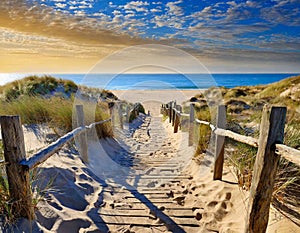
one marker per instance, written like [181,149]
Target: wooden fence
[270,148]
[18,165]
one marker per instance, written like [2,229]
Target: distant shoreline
[162,81]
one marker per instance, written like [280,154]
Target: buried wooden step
[146,221]
[144,213]
[165,208]
[152,197]
[135,201]
[171,176]
[180,218]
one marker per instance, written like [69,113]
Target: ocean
[164,81]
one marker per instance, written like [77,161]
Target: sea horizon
[160,81]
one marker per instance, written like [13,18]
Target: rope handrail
[45,153]
[289,153]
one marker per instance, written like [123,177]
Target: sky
[225,36]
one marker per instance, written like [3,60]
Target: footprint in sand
[220,212]
[212,204]
[227,196]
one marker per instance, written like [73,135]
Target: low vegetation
[48,100]
[38,86]
[39,100]
[244,111]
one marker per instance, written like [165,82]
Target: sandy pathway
[148,199]
[144,180]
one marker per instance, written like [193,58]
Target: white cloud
[129,11]
[128,16]
[251,4]
[116,12]
[232,3]
[83,3]
[155,10]
[160,21]
[118,19]
[60,5]
[174,9]
[138,6]
[139,3]
[207,9]
[79,13]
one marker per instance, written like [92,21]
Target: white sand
[107,194]
[152,99]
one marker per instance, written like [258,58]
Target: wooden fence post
[219,143]
[82,137]
[173,113]
[17,175]
[191,124]
[163,109]
[180,110]
[177,120]
[120,112]
[170,111]
[265,167]
[112,115]
[127,113]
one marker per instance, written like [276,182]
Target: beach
[144,179]
[153,99]
[88,84]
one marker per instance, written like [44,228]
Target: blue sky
[243,24]
[251,32]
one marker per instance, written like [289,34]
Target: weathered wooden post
[82,137]
[265,167]
[112,114]
[173,113]
[17,175]
[180,110]
[219,143]
[120,112]
[177,119]
[163,109]
[191,124]
[127,113]
[170,111]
